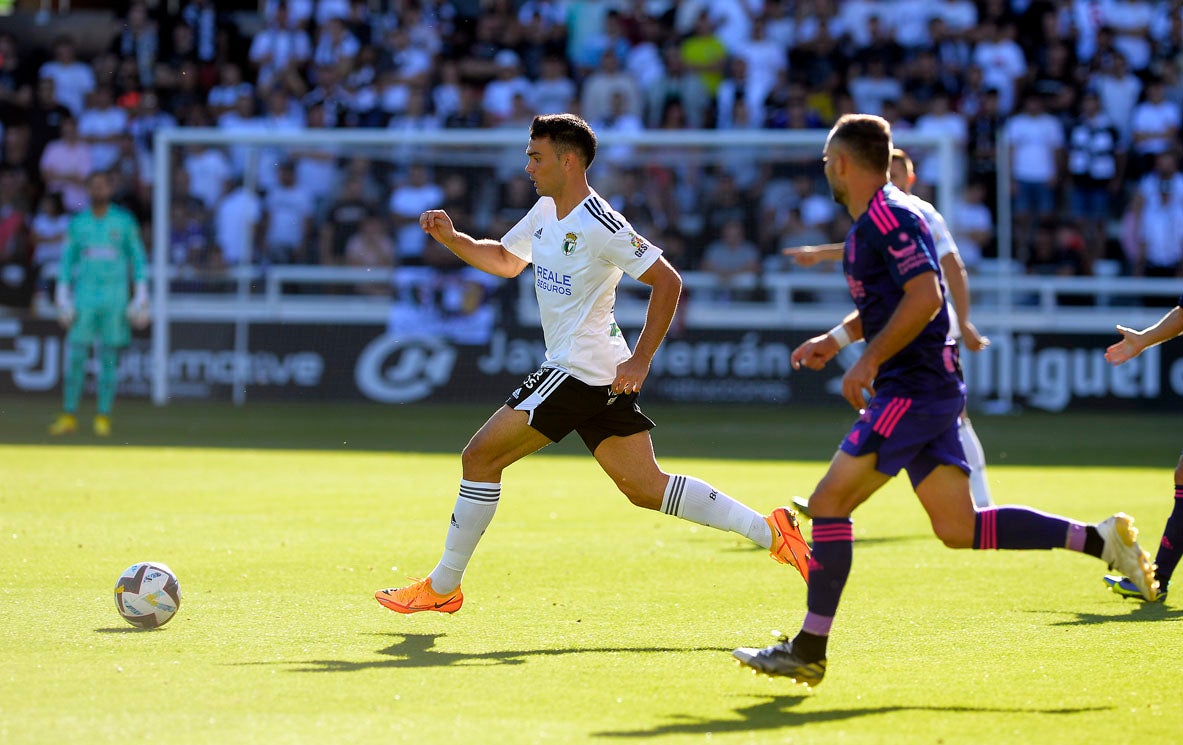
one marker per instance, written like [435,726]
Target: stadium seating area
[1088,91]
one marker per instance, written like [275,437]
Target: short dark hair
[567,132]
[867,138]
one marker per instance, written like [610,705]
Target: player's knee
[1179,472]
[476,462]
[638,493]
[954,533]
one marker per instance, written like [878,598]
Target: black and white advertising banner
[1052,372]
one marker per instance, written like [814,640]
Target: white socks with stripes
[473,513]
[699,502]
[979,488]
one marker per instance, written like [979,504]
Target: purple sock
[833,543]
[1171,545]
[1023,528]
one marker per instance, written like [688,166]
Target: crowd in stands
[1089,93]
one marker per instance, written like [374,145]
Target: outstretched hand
[438,225]
[1127,349]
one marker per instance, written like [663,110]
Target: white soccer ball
[147,594]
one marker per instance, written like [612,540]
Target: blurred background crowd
[1089,93]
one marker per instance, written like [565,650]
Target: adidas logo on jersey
[538,233]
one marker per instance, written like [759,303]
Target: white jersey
[578,261]
[942,238]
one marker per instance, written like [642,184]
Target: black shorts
[557,403]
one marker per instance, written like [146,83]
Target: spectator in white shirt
[871,87]
[1036,139]
[287,218]
[235,222]
[644,61]
[278,47]
[334,44]
[1158,211]
[621,121]
[731,259]
[411,198]
[554,92]
[209,173]
[941,119]
[1002,61]
[500,92]
[100,125]
[296,13]
[240,119]
[283,114]
[327,10]
[599,87]
[72,79]
[765,60]
[1118,90]
[65,164]
[973,225]
[1154,125]
[960,16]
[223,96]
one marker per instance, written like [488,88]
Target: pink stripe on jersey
[886,218]
[892,414]
[892,222]
[877,219]
[988,533]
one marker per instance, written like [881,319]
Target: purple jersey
[889,245]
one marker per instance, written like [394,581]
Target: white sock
[976,457]
[473,513]
[699,502]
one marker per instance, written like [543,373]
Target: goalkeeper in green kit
[102,255]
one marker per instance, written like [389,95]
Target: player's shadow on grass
[1139,613]
[418,650]
[777,713]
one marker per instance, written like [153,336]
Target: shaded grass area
[742,432]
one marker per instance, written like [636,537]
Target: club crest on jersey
[639,244]
[569,243]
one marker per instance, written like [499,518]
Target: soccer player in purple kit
[1170,548]
[910,367]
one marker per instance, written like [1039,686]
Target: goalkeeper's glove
[64,302]
[137,309]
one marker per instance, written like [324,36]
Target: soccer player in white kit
[903,175]
[580,248]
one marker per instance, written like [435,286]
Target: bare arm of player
[1133,343]
[810,255]
[487,255]
[816,352]
[663,301]
[958,281]
[922,300]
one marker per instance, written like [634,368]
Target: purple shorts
[915,434]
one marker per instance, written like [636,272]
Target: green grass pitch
[586,620]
